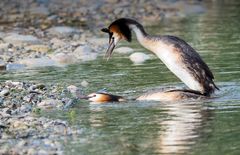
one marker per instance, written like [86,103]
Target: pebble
[138,57]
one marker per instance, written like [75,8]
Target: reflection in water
[181,129]
[179,125]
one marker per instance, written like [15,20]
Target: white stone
[123,50]
[138,57]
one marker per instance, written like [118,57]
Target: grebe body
[175,53]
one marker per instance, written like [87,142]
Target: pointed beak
[110,48]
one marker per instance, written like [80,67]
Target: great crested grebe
[102,97]
[175,53]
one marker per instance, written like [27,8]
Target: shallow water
[194,127]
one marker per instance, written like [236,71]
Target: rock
[49,103]
[38,48]
[64,58]
[19,125]
[63,31]
[40,11]
[98,41]
[85,53]
[14,66]
[4,92]
[2,65]
[57,43]
[15,38]
[4,46]
[84,83]
[38,62]
[123,50]
[72,89]
[138,57]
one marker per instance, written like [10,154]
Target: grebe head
[118,30]
[103,97]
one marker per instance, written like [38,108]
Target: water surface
[193,127]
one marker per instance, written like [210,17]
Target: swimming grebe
[175,53]
[102,97]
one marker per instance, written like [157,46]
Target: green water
[200,127]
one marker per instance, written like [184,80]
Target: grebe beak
[110,48]
[113,40]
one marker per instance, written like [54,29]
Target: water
[194,127]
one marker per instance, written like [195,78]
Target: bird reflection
[181,129]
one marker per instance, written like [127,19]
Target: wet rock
[49,103]
[64,58]
[85,53]
[38,48]
[57,43]
[15,38]
[124,50]
[4,46]
[84,83]
[138,57]
[4,92]
[38,62]
[63,31]
[14,66]
[2,65]
[39,11]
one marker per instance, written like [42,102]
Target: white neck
[142,37]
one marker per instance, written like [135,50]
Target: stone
[15,38]
[84,83]
[49,103]
[2,65]
[57,43]
[40,11]
[14,66]
[38,62]
[85,53]
[64,58]
[38,48]
[63,31]
[138,57]
[123,50]
[4,92]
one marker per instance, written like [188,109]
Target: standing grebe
[175,53]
